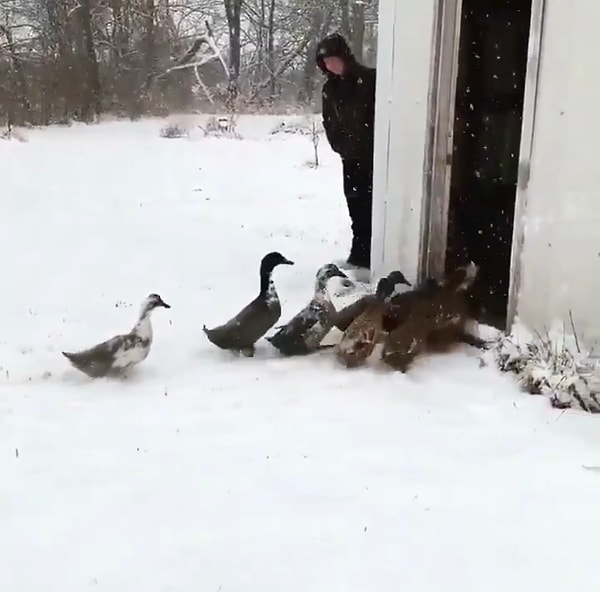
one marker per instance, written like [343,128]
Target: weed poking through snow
[549,365]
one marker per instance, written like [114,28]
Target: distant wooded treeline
[63,60]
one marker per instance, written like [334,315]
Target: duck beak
[406,283]
[287,262]
[164,304]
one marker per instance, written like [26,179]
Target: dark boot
[360,253]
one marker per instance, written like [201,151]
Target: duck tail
[71,356]
[463,277]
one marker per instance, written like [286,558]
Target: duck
[305,331]
[346,315]
[434,316]
[363,333]
[116,356]
[241,332]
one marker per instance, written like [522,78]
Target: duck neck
[267,285]
[143,327]
[384,290]
[321,292]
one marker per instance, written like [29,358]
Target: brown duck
[241,332]
[361,336]
[346,315]
[434,316]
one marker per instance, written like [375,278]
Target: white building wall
[403,69]
[561,253]
[560,260]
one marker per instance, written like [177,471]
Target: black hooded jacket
[348,102]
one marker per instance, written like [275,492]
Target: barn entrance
[488,108]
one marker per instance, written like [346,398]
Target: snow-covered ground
[206,472]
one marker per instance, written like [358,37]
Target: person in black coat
[348,118]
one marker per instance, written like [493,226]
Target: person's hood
[333,46]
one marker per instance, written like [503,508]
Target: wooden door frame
[534,55]
[440,135]
[438,158]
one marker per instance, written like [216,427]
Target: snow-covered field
[206,472]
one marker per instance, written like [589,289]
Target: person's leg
[358,188]
[362,209]
[351,169]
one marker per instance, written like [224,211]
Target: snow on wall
[404,56]
[561,252]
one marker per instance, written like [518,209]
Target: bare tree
[233,11]
[75,59]
[91,90]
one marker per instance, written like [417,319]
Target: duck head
[327,272]
[271,260]
[153,301]
[397,278]
[384,288]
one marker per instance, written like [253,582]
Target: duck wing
[404,344]
[98,360]
[247,326]
[361,337]
[346,316]
[305,331]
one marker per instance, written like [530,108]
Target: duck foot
[474,341]
[397,361]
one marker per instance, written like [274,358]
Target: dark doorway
[487,132]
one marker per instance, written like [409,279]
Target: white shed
[488,115]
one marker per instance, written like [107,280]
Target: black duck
[241,332]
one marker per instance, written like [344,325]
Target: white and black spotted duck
[117,355]
[241,332]
[304,332]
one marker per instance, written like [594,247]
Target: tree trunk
[150,38]
[271,48]
[357,40]
[92,93]
[150,53]
[65,74]
[261,59]
[345,18]
[233,11]
[321,21]
[21,83]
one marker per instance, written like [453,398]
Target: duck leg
[473,341]
[400,360]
